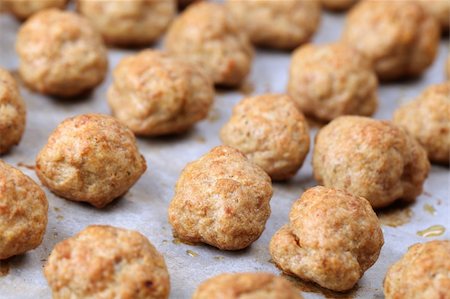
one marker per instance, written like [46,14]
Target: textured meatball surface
[221,199]
[107,262]
[91,158]
[23,9]
[155,94]
[271,132]
[23,212]
[332,238]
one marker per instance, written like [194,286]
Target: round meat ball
[399,37]
[338,5]
[440,9]
[91,158]
[155,94]
[277,24]
[61,54]
[327,81]
[370,158]
[222,200]
[23,212]
[249,285]
[208,35]
[107,262]
[12,112]
[422,273]
[340,239]
[129,22]
[427,118]
[271,132]
[23,9]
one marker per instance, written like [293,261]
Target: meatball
[207,34]
[422,273]
[370,158]
[440,9]
[332,238]
[130,22]
[90,158]
[61,54]
[338,5]
[277,24]
[327,81]
[271,132]
[399,37]
[427,118]
[23,9]
[12,112]
[222,199]
[107,262]
[155,94]
[23,212]
[249,285]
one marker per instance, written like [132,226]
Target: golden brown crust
[398,36]
[330,80]
[332,238]
[91,158]
[370,158]
[107,262]
[222,199]
[422,273]
[23,9]
[23,212]
[258,285]
[12,112]
[277,24]
[130,22]
[338,5]
[61,54]
[155,94]
[427,118]
[207,34]
[271,132]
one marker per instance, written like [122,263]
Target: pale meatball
[338,5]
[208,35]
[327,81]
[222,199]
[332,238]
[61,54]
[90,158]
[23,212]
[271,132]
[12,112]
[422,273]
[277,24]
[440,9]
[107,262]
[370,158]
[129,22]
[23,9]
[427,118]
[399,37]
[155,94]
[246,285]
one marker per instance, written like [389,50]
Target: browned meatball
[23,9]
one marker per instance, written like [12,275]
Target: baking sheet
[144,207]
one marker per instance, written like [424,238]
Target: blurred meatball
[129,22]
[155,94]
[207,34]
[370,158]
[427,118]
[332,238]
[107,262]
[91,158]
[23,212]
[61,54]
[422,273]
[23,9]
[222,199]
[277,24]
[440,9]
[398,36]
[327,81]
[12,112]
[338,5]
[271,132]
[258,285]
